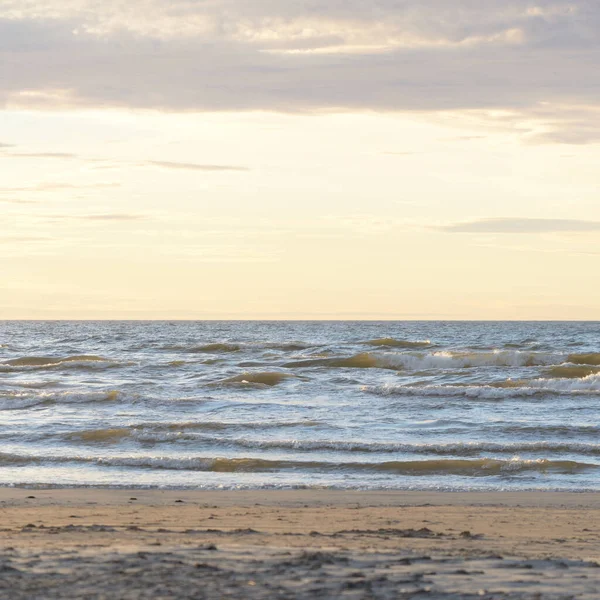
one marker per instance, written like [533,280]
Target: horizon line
[298,320]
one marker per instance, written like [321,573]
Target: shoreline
[316,497]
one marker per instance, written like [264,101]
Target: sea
[389,405]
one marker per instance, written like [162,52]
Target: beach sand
[134,544]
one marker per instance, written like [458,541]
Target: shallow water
[392,405]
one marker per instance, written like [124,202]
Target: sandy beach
[106,543]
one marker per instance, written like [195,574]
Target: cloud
[191,166]
[400,153]
[520,225]
[306,55]
[16,201]
[114,217]
[99,217]
[11,239]
[57,186]
[41,154]
[310,23]
[103,163]
[466,138]
[4,149]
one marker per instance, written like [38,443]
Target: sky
[299,159]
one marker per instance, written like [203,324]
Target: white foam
[532,387]
[418,361]
[22,400]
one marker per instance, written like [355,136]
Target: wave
[486,467]
[591,358]
[156,432]
[100,435]
[17,401]
[394,343]
[215,348]
[37,385]
[261,379]
[456,449]
[481,467]
[587,384]
[420,361]
[540,430]
[570,371]
[16,459]
[43,361]
[288,346]
[85,361]
[453,360]
[226,347]
[364,360]
[507,389]
[25,400]
[352,446]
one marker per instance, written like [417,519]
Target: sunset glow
[299,160]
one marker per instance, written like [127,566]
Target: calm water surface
[381,405]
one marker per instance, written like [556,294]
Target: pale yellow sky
[287,204]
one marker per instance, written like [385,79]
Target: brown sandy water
[284,405]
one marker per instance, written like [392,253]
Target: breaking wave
[218,434]
[348,446]
[507,389]
[420,361]
[464,360]
[481,467]
[455,449]
[85,361]
[43,361]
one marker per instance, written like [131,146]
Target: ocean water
[364,405]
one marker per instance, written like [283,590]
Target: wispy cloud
[7,151]
[164,164]
[522,225]
[114,217]
[65,155]
[14,239]
[58,186]
[466,138]
[98,217]
[400,153]
[16,201]
[111,164]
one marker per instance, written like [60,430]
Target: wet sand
[134,544]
